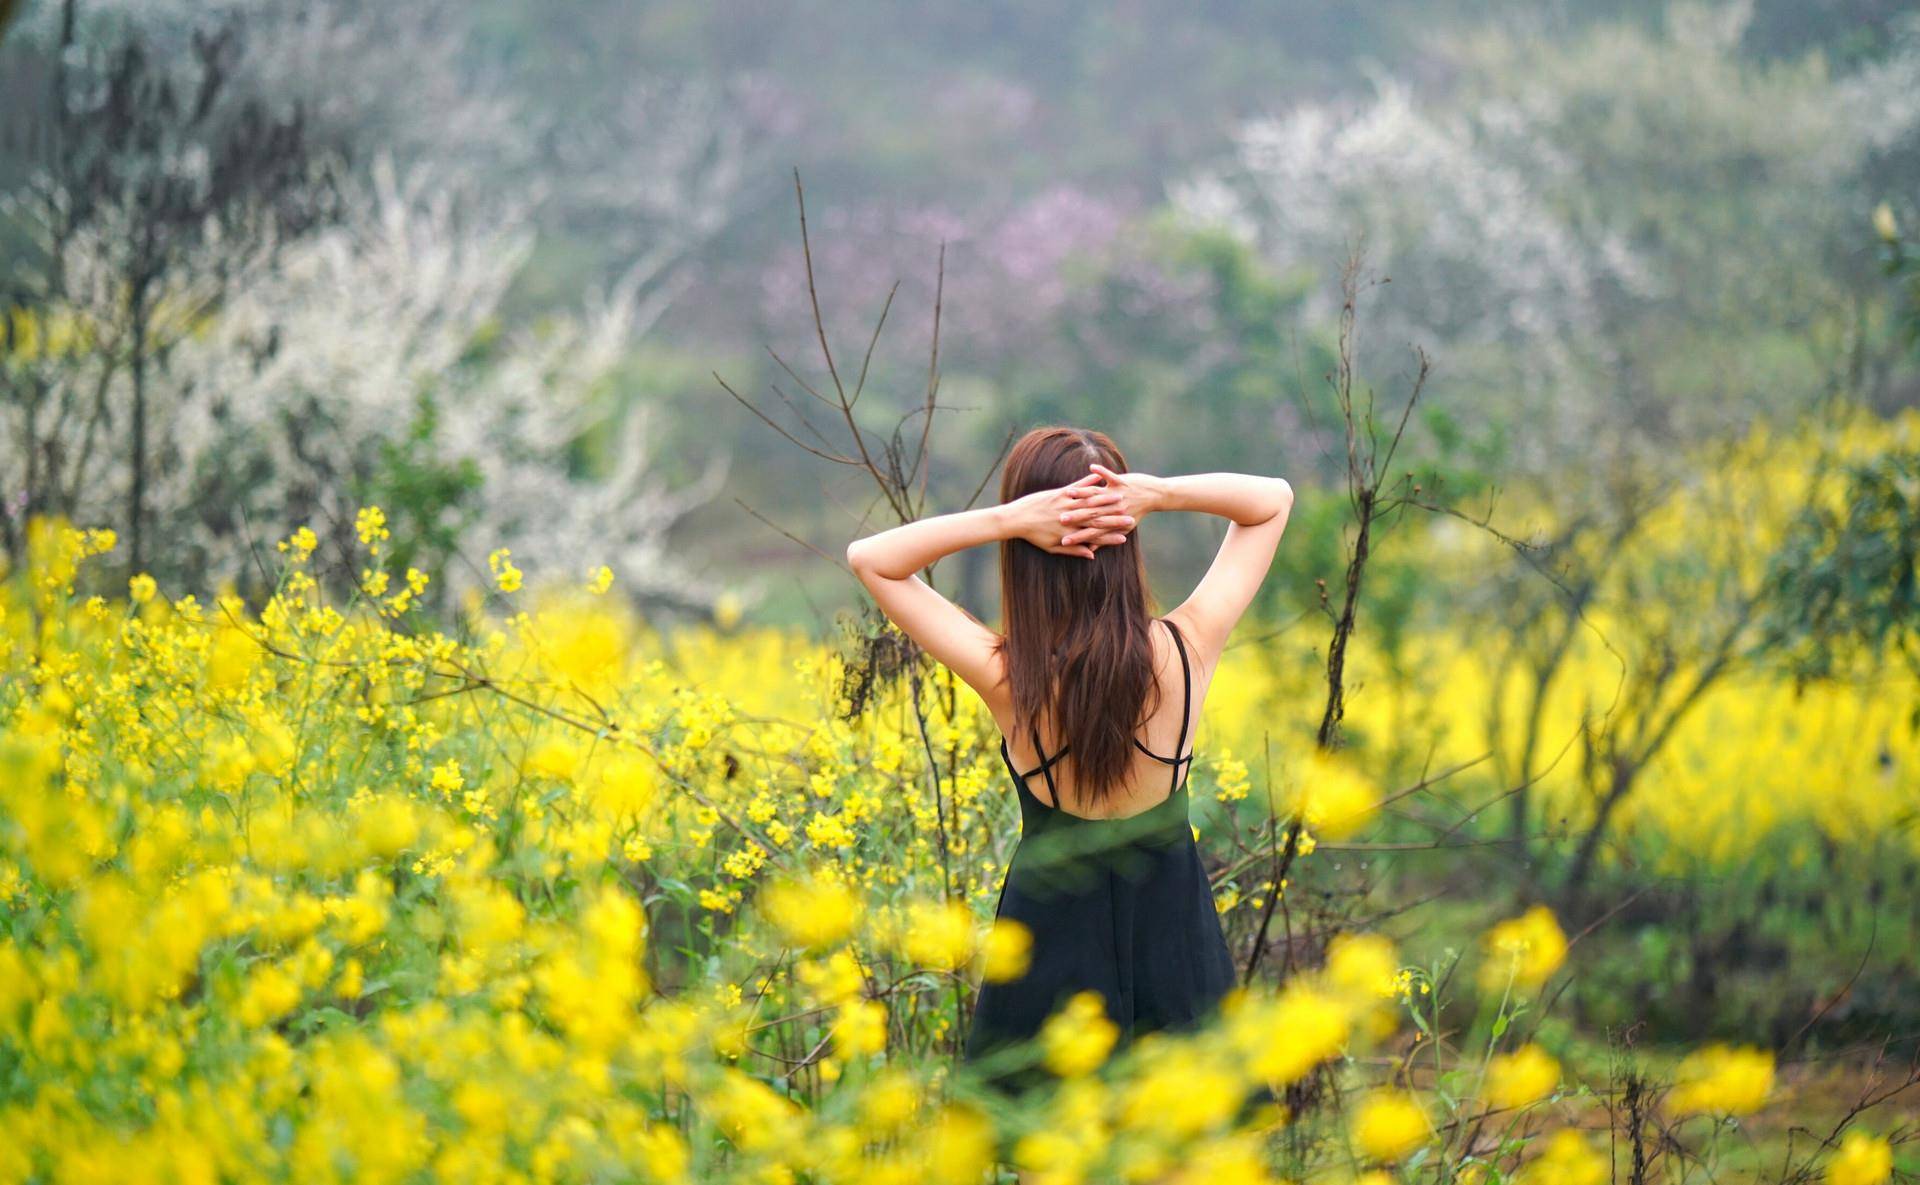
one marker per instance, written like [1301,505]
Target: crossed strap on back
[1176,761]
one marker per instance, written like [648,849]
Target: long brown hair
[1077,651]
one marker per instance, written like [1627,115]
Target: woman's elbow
[1279,502]
[860,557]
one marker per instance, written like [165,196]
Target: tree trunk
[1574,890]
[1329,733]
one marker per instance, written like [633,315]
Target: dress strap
[1053,760]
[1046,766]
[1160,757]
[1186,704]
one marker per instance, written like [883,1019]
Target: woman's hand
[1137,494]
[1073,520]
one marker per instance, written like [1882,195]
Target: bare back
[1163,746]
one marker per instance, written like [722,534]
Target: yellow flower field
[315,891]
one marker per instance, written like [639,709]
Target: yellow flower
[600,580]
[829,830]
[506,577]
[352,979]
[1525,1076]
[447,778]
[301,545]
[1331,796]
[1238,1160]
[142,588]
[371,525]
[832,980]
[1077,1039]
[1525,951]
[228,762]
[1231,777]
[1009,950]
[1389,1124]
[743,863]
[1722,1080]
[958,1147]
[1861,1160]
[1181,1093]
[552,758]
[1283,1039]
[811,914]
[1363,964]
[1052,1157]
[270,993]
[889,1101]
[274,746]
[625,788]
[939,935]
[752,1114]
[860,1028]
[663,1151]
[1568,1159]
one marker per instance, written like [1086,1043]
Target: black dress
[1118,906]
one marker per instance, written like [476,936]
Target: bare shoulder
[996,690]
[1200,647]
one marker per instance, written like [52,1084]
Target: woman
[1096,699]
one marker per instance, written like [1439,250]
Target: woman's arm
[889,563]
[1257,507]
[1246,499]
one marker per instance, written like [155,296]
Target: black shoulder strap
[1046,767]
[1186,703]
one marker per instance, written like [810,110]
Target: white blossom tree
[1475,250]
[383,336]
[275,370]
[152,183]
[1574,227]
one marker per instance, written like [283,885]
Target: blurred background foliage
[1617,227]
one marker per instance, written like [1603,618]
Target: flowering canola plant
[320,892]
[336,892]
